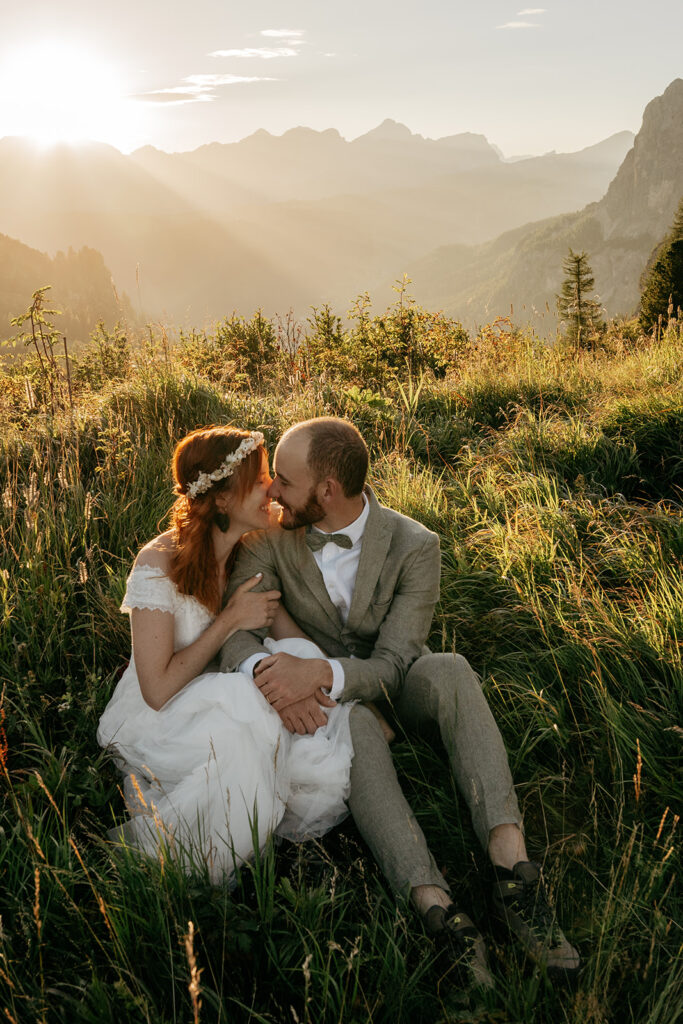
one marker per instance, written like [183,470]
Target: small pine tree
[662,282]
[580,314]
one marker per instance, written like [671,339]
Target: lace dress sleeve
[149,587]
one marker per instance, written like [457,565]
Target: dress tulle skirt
[209,777]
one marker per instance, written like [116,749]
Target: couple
[311,619]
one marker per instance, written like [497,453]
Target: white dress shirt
[339,568]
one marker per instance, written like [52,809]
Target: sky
[177,75]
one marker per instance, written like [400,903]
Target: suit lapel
[305,566]
[373,553]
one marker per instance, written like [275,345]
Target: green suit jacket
[397,587]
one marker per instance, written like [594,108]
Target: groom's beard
[311,512]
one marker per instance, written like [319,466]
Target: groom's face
[293,486]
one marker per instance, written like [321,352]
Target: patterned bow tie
[317,540]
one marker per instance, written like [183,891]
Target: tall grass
[555,485]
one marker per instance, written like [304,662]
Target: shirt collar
[355,529]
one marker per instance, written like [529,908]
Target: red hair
[193,564]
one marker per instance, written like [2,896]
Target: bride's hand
[246,610]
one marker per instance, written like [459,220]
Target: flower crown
[205,481]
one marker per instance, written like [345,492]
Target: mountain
[82,288]
[522,268]
[228,180]
[308,164]
[282,222]
[342,245]
[160,247]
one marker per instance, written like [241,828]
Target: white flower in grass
[31,492]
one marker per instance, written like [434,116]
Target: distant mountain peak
[304,132]
[389,131]
[473,143]
[260,135]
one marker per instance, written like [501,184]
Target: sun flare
[58,91]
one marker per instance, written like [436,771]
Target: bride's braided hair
[193,564]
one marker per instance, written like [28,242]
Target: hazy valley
[308,218]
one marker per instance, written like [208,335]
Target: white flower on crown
[205,481]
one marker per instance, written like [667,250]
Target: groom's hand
[284,679]
[306,716]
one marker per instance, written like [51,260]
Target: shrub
[108,359]
[377,349]
[238,352]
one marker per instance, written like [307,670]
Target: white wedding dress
[215,772]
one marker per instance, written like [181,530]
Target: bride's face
[253,512]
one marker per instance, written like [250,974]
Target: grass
[555,483]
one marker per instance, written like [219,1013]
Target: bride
[209,769]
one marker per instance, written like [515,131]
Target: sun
[59,91]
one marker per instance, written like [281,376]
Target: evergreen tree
[662,282]
[579,312]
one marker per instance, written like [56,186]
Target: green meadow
[554,478]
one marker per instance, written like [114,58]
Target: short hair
[337,449]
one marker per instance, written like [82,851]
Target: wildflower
[195,972]
[31,492]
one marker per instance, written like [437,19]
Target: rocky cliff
[523,268]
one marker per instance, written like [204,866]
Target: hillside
[554,483]
[523,268]
[82,288]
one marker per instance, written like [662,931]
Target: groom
[362,582]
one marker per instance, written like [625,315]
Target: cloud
[519,24]
[283,33]
[531,10]
[196,89]
[175,95]
[264,53]
[209,82]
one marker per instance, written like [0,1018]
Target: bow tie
[317,540]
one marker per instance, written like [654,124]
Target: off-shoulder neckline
[156,569]
[159,573]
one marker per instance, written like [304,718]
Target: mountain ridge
[522,269]
[284,221]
